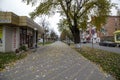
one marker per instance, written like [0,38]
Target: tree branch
[66,13]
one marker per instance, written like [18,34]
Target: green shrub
[8,57]
[23,48]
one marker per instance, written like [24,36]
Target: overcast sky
[21,9]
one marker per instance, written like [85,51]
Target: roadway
[110,49]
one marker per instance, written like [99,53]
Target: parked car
[83,41]
[40,40]
[108,43]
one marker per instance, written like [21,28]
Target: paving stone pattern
[54,62]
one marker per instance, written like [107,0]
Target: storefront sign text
[5,21]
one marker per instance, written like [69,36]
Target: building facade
[112,25]
[106,32]
[17,31]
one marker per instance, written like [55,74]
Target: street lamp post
[43,39]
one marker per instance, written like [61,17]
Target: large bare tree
[76,12]
[45,25]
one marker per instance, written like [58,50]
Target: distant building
[107,30]
[17,31]
[90,35]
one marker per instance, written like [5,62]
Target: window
[118,37]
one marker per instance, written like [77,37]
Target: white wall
[12,38]
[8,39]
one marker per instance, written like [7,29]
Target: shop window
[23,36]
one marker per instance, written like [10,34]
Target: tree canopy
[76,12]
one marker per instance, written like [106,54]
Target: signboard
[5,21]
[1,35]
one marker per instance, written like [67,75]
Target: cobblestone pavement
[54,62]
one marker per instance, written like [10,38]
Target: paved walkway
[54,62]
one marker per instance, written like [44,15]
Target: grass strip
[109,61]
[8,57]
[46,43]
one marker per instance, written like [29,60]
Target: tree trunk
[43,39]
[76,35]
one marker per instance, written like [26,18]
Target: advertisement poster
[1,34]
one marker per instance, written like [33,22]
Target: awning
[118,31]
[20,21]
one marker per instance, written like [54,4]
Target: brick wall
[112,24]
